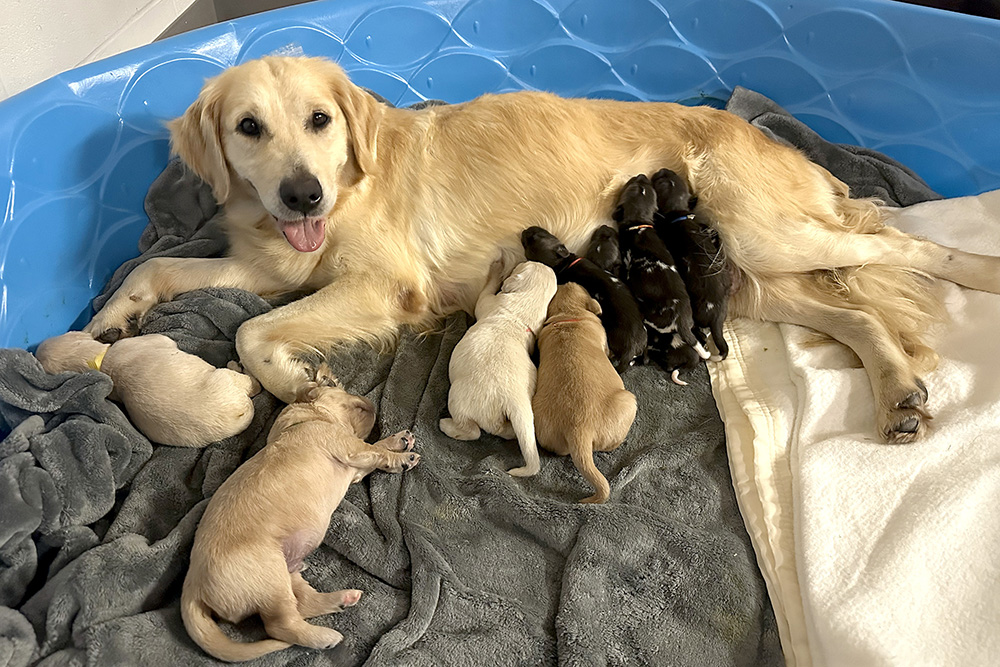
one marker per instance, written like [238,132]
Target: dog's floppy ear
[692,202]
[363,114]
[197,138]
[619,213]
[307,393]
[594,307]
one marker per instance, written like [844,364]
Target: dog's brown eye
[249,127]
[320,119]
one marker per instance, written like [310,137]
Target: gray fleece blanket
[461,564]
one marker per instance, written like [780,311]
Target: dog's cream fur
[273,512]
[416,204]
[172,397]
[580,403]
[492,375]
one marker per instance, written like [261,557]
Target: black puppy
[619,312]
[604,251]
[703,262]
[651,274]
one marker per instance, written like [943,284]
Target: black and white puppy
[652,276]
[620,314]
[604,251]
[698,247]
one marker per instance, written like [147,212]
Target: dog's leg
[163,278]
[372,458]
[824,249]
[899,395]
[399,442]
[312,603]
[352,309]
[283,621]
[460,428]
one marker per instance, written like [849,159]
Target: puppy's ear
[594,307]
[692,202]
[197,138]
[619,213]
[363,114]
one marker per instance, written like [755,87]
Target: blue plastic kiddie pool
[920,85]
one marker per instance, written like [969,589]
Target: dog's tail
[522,420]
[581,450]
[206,633]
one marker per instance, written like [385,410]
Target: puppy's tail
[522,420]
[206,633]
[581,450]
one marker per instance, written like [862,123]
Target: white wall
[41,38]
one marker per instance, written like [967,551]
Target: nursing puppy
[702,260]
[651,274]
[580,402]
[619,312]
[271,513]
[492,375]
[603,250]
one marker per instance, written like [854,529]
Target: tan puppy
[172,397]
[580,402]
[491,372]
[395,215]
[271,513]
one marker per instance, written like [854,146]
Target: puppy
[580,403]
[172,397]
[271,513]
[492,375]
[651,274]
[702,260]
[619,312]
[603,250]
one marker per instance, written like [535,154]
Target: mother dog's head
[294,130]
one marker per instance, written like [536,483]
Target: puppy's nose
[301,192]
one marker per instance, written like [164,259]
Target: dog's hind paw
[907,420]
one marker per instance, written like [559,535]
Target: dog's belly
[297,546]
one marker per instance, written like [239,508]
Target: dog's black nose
[301,193]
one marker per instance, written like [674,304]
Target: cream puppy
[492,375]
[172,397]
[271,513]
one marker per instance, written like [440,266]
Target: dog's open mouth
[305,234]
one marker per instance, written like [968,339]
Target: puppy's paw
[323,638]
[402,441]
[349,597]
[410,460]
[907,420]
[524,471]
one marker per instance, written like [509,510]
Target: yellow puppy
[580,403]
[271,513]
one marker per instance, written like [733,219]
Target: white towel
[875,554]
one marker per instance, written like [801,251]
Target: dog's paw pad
[412,459]
[407,440]
[906,426]
[349,598]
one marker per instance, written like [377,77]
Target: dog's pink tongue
[304,235]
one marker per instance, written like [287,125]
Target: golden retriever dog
[259,526]
[394,216]
[491,372]
[580,402]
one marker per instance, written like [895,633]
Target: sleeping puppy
[651,274]
[492,375]
[702,260]
[603,250]
[271,513]
[619,312]
[580,402]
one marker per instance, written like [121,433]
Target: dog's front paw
[906,421]
[410,460]
[114,323]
